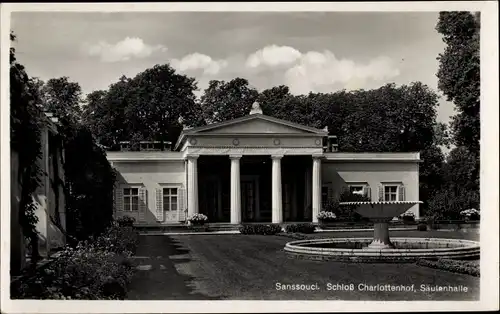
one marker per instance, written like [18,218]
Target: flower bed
[326,216]
[94,270]
[264,229]
[197,219]
[470,214]
[462,267]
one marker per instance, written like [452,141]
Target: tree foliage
[459,74]
[459,79]
[223,101]
[89,178]
[154,105]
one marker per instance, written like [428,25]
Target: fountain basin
[405,250]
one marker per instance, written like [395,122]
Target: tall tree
[271,99]
[223,101]
[89,178]
[154,105]
[459,79]
[391,119]
[63,98]
[459,74]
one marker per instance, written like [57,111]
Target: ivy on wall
[26,123]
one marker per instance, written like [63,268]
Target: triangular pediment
[256,124]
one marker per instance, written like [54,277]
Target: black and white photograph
[208,152]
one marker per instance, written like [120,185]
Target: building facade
[48,198]
[254,169]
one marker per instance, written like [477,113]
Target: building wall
[150,175]
[50,235]
[338,175]
[49,207]
[17,243]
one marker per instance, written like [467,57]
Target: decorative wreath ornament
[236,142]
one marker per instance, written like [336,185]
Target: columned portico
[192,184]
[316,188]
[235,189]
[277,205]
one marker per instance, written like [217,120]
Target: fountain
[381,248]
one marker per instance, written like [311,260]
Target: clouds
[303,72]
[199,61]
[127,49]
[321,71]
[273,56]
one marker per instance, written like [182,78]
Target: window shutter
[401,196]
[159,204]
[119,199]
[143,203]
[181,199]
[380,192]
[368,192]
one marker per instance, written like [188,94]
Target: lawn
[244,267]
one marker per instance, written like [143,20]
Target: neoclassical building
[254,169]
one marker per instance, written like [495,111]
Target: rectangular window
[390,193]
[131,199]
[170,199]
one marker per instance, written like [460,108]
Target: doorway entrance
[250,198]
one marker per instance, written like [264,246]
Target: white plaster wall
[339,174]
[151,175]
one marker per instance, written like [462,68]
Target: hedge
[300,228]
[461,267]
[265,229]
[422,227]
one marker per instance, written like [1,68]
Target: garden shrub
[422,227]
[408,217]
[300,228]
[99,269]
[265,229]
[125,221]
[462,267]
[118,239]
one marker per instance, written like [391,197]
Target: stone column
[192,184]
[380,234]
[316,188]
[235,189]
[277,204]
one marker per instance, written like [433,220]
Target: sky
[307,51]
